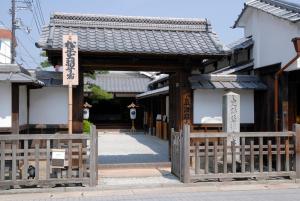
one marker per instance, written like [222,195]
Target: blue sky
[221,13]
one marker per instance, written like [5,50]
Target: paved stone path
[200,193]
[136,177]
[121,147]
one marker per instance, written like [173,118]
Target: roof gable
[127,34]
[281,9]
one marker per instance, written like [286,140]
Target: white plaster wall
[207,106]
[5,104]
[48,105]
[5,53]
[23,105]
[272,37]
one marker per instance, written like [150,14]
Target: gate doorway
[173,46]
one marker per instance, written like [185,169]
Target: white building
[15,83]
[5,44]
[272,24]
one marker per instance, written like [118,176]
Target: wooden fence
[28,159]
[236,155]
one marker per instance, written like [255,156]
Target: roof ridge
[133,19]
[284,4]
[287,10]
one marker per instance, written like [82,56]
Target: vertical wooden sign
[70,69]
[70,60]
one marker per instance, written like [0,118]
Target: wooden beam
[15,108]
[146,62]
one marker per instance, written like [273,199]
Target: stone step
[135,165]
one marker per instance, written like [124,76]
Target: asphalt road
[164,194]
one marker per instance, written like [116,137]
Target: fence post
[171,148]
[185,162]
[93,156]
[297,144]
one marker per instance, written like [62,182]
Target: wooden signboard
[70,60]
[70,70]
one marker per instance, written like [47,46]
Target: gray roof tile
[120,82]
[226,82]
[149,35]
[279,8]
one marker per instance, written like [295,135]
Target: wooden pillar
[28,108]
[285,102]
[15,109]
[297,144]
[185,160]
[180,95]
[78,105]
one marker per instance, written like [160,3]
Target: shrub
[86,126]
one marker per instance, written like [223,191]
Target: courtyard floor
[133,160]
[118,147]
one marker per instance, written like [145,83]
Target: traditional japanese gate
[166,45]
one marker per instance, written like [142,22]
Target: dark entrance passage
[119,89]
[294,98]
[113,114]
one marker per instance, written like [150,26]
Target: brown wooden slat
[80,161]
[2,167]
[215,157]
[287,155]
[243,159]
[261,158]
[44,137]
[197,159]
[25,168]
[206,156]
[14,162]
[251,156]
[224,155]
[48,160]
[69,158]
[242,134]
[278,159]
[270,156]
[37,164]
[233,150]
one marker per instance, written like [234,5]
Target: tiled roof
[125,34]
[282,9]
[242,43]
[226,82]
[16,74]
[155,92]
[120,82]
[234,69]
[49,78]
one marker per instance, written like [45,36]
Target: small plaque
[58,158]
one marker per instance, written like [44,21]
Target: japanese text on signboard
[70,60]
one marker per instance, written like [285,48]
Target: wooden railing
[28,159]
[239,155]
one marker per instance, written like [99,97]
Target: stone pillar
[231,118]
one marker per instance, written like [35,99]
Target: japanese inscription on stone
[70,60]
[231,112]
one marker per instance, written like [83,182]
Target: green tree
[96,93]
[45,63]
